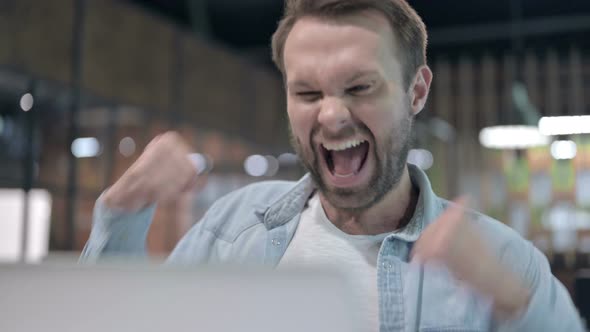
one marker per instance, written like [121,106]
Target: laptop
[58,297]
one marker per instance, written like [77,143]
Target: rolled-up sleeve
[550,306]
[117,233]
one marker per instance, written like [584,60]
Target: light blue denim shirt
[255,224]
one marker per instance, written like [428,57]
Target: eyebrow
[298,84]
[362,74]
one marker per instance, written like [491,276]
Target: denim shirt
[255,224]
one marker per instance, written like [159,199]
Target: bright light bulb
[127,146]
[563,150]
[26,102]
[421,158]
[564,125]
[85,147]
[199,161]
[256,165]
[512,137]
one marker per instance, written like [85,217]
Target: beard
[390,155]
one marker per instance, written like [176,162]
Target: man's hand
[161,173]
[453,241]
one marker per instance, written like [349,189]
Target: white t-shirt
[318,243]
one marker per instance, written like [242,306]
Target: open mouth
[348,161]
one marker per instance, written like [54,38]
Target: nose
[334,115]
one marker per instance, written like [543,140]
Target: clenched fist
[161,173]
[453,241]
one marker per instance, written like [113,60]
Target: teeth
[343,145]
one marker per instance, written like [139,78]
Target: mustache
[344,133]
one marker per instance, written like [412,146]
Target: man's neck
[393,212]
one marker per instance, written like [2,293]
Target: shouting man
[355,75]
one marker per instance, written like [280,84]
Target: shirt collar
[427,207]
[287,206]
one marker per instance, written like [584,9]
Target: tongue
[348,162]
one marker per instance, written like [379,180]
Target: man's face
[349,112]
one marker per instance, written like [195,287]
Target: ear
[420,88]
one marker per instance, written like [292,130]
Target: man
[356,76]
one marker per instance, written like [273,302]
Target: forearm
[549,306]
[117,233]
[548,310]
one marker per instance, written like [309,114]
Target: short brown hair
[405,22]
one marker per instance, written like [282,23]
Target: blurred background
[85,85]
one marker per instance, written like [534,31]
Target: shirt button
[387,266]
[275,242]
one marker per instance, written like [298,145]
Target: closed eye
[309,96]
[359,89]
